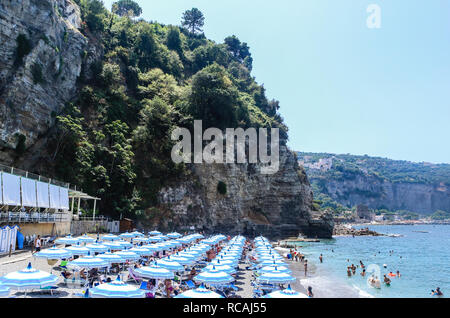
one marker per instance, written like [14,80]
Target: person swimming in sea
[321,258]
[387,281]
[310,292]
[349,272]
[437,292]
[398,273]
[363,273]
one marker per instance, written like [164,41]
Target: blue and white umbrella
[153,233]
[224,262]
[286,293]
[221,268]
[4,291]
[28,278]
[142,251]
[116,289]
[276,277]
[68,240]
[110,237]
[114,246]
[78,250]
[97,248]
[214,277]
[141,239]
[112,258]
[271,269]
[124,244]
[153,272]
[171,265]
[127,235]
[272,263]
[174,235]
[138,234]
[86,239]
[88,262]
[182,260]
[155,239]
[53,253]
[129,256]
[200,292]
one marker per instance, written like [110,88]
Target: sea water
[421,254]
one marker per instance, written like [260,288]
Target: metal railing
[34,217]
[30,175]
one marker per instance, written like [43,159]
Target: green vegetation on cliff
[114,139]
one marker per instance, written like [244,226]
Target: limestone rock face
[276,205]
[34,90]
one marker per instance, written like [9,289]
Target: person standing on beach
[306,266]
[310,293]
[321,258]
[38,243]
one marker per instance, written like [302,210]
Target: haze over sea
[423,260]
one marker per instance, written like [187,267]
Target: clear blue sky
[343,88]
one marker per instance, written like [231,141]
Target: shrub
[222,187]
[23,48]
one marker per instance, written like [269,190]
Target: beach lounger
[132,276]
[190,284]
[50,289]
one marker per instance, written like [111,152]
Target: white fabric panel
[42,195]
[54,196]
[12,238]
[4,235]
[64,198]
[29,192]
[11,189]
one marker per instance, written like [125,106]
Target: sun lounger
[50,289]
[133,276]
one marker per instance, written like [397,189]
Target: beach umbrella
[142,251]
[153,272]
[171,265]
[88,262]
[222,268]
[4,291]
[155,239]
[200,292]
[270,269]
[53,253]
[112,258]
[124,244]
[97,248]
[141,239]
[86,239]
[182,260]
[78,250]
[214,277]
[129,256]
[116,289]
[138,234]
[115,246]
[286,293]
[153,233]
[224,262]
[272,263]
[127,235]
[110,237]
[28,278]
[276,277]
[68,240]
[174,235]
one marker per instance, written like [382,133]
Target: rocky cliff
[276,205]
[41,58]
[379,183]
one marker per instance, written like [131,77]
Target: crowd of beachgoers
[135,265]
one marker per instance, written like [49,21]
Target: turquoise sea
[421,254]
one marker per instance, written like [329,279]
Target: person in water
[387,281]
[321,258]
[349,272]
[437,292]
[306,266]
[363,273]
[398,274]
[310,293]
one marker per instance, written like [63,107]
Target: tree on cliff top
[194,20]
[127,8]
